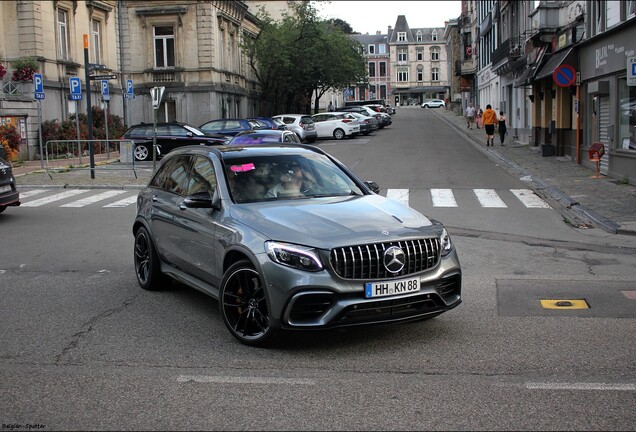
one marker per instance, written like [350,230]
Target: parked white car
[336,125]
[434,103]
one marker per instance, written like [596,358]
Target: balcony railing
[511,49]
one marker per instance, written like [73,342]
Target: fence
[108,155]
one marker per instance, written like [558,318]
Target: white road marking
[443,198]
[529,199]
[124,202]
[579,386]
[53,198]
[401,195]
[30,193]
[488,198]
[94,198]
[244,380]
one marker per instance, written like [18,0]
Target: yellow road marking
[564,304]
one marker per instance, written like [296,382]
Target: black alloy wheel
[243,305]
[147,266]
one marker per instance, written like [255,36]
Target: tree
[300,55]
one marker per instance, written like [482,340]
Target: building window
[164,46]
[435,74]
[96,33]
[402,37]
[434,36]
[420,54]
[402,75]
[419,36]
[371,49]
[435,54]
[62,33]
[420,73]
[382,69]
[402,55]
[372,94]
[382,49]
[382,92]
[372,69]
[612,13]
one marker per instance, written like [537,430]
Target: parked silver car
[301,124]
[286,237]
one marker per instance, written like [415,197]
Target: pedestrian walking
[478,116]
[489,120]
[502,127]
[470,116]
[330,108]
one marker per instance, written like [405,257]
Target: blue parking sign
[76,88]
[38,83]
[129,87]
[105,91]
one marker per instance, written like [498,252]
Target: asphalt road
[84,348]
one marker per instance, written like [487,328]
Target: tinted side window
[202,178]
[176,130]
[163,130]
[172,175]
[232,124]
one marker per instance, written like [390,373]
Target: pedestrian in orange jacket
[489,120]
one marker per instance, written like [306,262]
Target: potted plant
[3,71]
[24,68]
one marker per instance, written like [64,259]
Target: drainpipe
[124,101]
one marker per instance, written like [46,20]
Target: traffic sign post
[38,87]
[76,94]
[156,93]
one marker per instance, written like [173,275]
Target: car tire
[311,140]
[339,134]
[2,208]
[243,305]
[147,266]
[141,152]
[425,106]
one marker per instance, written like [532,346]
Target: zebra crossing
[440,198]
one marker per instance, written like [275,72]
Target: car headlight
[447,245]
[299,257]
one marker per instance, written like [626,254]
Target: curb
[567,202]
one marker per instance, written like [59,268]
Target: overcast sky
[371,16]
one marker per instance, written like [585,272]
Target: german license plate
[389,288]
[6,188]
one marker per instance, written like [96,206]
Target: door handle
[154,198]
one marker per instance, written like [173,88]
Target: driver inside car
[291,184]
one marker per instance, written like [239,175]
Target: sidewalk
[586,200]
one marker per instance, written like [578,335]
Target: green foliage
[301,54]
[66,130]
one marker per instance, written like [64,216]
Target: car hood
[332,222]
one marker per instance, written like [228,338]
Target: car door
[164,139]
[322,125]
[168,191]
[197,226]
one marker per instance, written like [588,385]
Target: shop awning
[566,56]
[530,71]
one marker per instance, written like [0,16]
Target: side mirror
[373,186]
[190,134]
[198,200]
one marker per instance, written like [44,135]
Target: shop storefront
[611,114]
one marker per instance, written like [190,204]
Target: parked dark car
[9,195]
[367,123]
[268,123]
[264,136]
[286,237]
[169,137]
[229,127]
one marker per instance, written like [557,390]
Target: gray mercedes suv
[288,238]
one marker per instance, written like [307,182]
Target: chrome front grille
[367,261]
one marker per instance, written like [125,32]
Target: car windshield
[194,130]
[290,176]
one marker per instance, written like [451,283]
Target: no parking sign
[564,75]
